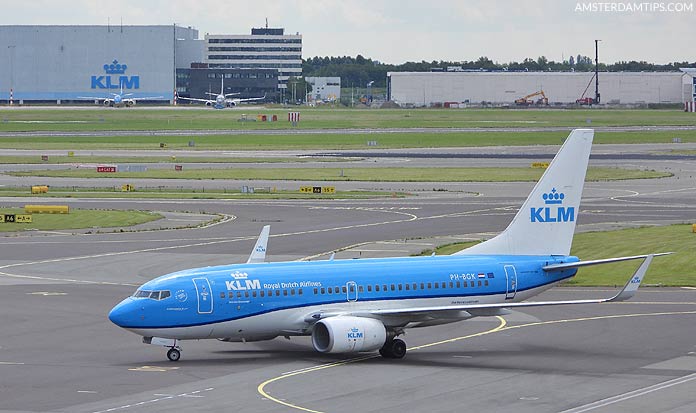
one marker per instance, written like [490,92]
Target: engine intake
[348,335]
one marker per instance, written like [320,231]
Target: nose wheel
[174,354]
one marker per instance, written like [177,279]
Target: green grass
[333,141]
[313,118]
[673,270]
[164,158]
[351,174]
[78,218]
[168,193]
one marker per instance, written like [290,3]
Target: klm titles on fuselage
[115,78]
[553,213]
[242,282]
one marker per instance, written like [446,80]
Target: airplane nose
[122,315]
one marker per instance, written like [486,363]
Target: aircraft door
[351,291]
[204,295]
[511,277]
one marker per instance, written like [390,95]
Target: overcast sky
[395,31]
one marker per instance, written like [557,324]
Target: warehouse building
[324,89]
[65,63]
[71,63]
[503,88]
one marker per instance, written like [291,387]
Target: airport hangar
[58,64]
[432,89]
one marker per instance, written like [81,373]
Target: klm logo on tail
[553,211]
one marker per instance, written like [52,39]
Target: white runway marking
[632,394]
[162,397]
[409,217]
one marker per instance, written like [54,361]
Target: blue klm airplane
[118,100]
[349,306]
[222,99]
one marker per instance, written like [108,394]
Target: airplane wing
[249,99]
[96,98]
[626,292]
[475,309]
[232,94]
[148,98]
[197,100]
[258,254]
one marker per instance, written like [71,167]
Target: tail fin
[546,222]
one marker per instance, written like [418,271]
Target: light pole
[596,70]
[294,94]
[11,49]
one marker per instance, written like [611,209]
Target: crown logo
[553,197]
[115,68]
[239,275]
[354,330]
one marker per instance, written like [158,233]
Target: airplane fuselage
[247,302]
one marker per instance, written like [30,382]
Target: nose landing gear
[174,353]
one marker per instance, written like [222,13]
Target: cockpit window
[141,294]
[154,295]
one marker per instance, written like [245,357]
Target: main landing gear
[393,349]
[174,354]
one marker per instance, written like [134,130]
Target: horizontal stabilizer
[578,264]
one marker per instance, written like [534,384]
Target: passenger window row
[262,293]
[402,287]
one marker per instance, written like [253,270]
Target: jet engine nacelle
[209,103]
[348,335]
[108,102]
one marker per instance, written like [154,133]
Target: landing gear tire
[395,349]
[173,354]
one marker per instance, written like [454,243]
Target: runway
[72,360]
[58,351]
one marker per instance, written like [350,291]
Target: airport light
[596,70]
[11,49]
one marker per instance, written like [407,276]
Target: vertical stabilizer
[258,254]
[546,222]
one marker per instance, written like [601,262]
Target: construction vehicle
[586,100]
[527,101]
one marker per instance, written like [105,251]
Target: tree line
[358,71]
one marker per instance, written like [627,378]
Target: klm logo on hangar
[553,212]
[115,78]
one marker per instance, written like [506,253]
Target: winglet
[258,254]
[632,285]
